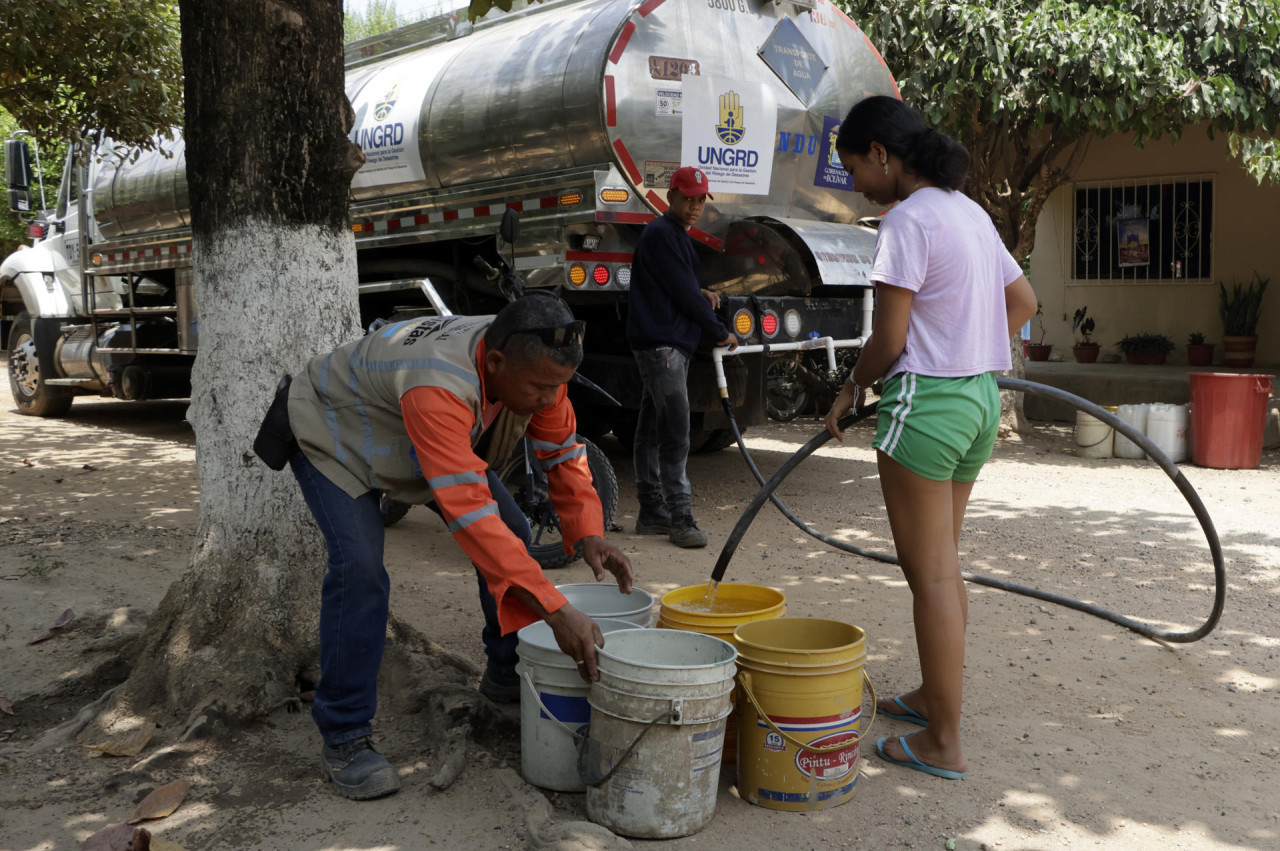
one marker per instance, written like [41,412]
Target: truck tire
[530,491]
[712,441]
[33,397]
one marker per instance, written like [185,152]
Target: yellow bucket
[800,712]
[735,604]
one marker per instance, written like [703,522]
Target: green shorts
[939,428]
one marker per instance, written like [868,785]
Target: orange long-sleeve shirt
[440,426]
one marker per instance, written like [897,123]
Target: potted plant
[1146,348]
[1199,353]
[1038,350]
[1239,313]
[1085,349]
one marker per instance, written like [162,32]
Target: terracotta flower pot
[1086,353]
[1199,354]
[1036,351]
[1239,351]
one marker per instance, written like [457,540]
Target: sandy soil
[1078,733]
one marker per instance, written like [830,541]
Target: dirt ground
[1078,733]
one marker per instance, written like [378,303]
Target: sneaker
[685,532]
[500,686]
[653,521]
[358,771]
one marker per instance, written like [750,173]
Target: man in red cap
[669,315]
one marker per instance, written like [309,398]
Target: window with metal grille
[1146,229]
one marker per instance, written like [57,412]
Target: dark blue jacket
[667,307]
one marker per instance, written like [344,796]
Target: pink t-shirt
[943,247]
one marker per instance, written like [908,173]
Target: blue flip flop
[908,714]
[915,763]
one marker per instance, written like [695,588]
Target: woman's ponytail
[929,153]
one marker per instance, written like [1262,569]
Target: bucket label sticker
[831,766]
[774,742]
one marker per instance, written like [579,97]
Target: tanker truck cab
[76,326]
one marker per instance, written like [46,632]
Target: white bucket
[1167,426]
[1094,438]
[658,717]
[553,706]
[1136,416]
[604,600]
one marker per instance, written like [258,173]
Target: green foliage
[1083,323]
[1146,344]
[1239,311]
[1261,157]
[13,228]
[70,69]
[379,16]
[1195,338]
[1024,84]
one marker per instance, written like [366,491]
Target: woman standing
[948,297]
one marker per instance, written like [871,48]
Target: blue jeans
[661,448]
[354,601]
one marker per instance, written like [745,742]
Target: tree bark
[269,166]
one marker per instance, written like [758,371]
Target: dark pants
[661,448]
[354,600]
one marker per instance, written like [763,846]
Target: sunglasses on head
[553,338]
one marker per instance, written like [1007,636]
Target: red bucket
[1228,417]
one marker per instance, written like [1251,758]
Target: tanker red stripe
[626,218]
[598,256]
[450,215]
[610,103]
[481,211]
[627,163]
[621,43]
[518,206]
[422,219]
[650,6]
[707,239]
[547,203]
[656,201]
[873,50]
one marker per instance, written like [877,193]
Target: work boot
[500,686]
[653,521]
[685,532]
[358,771]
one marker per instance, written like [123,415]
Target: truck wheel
[787,396]
[33,397]
[393,511]
[529,487]
[712,441]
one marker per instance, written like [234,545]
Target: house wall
[1246,237]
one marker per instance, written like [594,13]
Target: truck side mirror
[17,164]
[17,175]
[509,230]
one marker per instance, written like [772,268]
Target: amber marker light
[742,323]
[577,274]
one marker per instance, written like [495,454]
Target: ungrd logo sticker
[732,126]
[383,107]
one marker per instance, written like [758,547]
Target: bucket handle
[744,679]
[534,691]
[671,714]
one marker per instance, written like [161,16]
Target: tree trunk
[269,166]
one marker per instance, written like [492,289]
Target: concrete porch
[1129,384]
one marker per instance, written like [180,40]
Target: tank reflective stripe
[899,414]
[656,200]
[472,516]
[441,482]
[148,252]
[625,36]
[548,463]
[624,218]
[415,363]
[599,256]
[629,164]
[546,446]
[707,239]
[649,6]
[610,102]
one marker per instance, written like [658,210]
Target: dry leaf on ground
[160,802]
[64,620]
[125,744]
[6,705]
[119,837]
[158,844]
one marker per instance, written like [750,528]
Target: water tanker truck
[572,113]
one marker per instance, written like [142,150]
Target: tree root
[68,730]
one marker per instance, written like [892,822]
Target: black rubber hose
[1019,385]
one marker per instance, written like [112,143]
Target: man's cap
[692,182]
